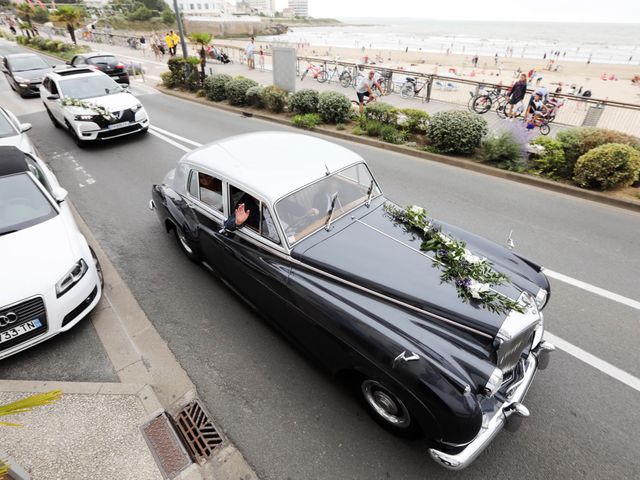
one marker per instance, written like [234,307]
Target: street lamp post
[180,29]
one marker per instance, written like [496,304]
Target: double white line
[567,347]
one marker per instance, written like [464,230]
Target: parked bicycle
[411,87]
[332,74]
[483,102]
[312,70]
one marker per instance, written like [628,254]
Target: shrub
[304,101]
[341,126]
[607,166]
[307,121]
[383,112]
[215,86]
[22,39]
[141,13]
[456,131]
[503,150]
[237,88]
[391,134]
[550,161]
[357,130]
[372,127]
[334,107]
[168,79]
[415,121]
[253,97]
[578,141]
[274,98]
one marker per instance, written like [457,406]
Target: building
[300,7]
[206,8]
[256,7]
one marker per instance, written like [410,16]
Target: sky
[542,10]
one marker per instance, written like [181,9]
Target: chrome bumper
[509,416]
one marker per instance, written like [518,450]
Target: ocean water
[604,43]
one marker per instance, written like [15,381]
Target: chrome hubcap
[385,404]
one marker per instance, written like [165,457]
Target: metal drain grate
[199,434]
[165,445]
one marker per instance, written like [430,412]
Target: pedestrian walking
[143,45]
[176,41]
[261,59]
[168,39]
[250,53]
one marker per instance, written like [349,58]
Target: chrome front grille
[511,351]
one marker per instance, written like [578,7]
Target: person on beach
[168,39]
[250,52]
[516,96]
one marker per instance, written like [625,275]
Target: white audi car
[50,278]
[91,105]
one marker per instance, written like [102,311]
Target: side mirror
[25,127]
[53,97]
[59,194]
[68,62]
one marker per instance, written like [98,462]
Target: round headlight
[541,298]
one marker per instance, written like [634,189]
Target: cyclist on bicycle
[364,89]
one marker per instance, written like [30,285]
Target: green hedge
[275,98]
[608,166]
[382,112]
[456,131]
[415,121]
[308,121]
[334,107]
[550,160]
[236,90]
[304,101]
[215,87]
[503,150]
[254,96]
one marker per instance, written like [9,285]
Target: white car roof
[271,164]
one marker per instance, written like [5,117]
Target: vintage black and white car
[439,330]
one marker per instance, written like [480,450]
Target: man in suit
[246,212]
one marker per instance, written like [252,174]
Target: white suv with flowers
[91,105]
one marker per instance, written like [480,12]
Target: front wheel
[545,129]
[79,142]
[185,245]
[322,76]
[482,104]
[388,409]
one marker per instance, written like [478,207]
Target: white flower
[417,210]
[445,239]
[471,258]
[476,288]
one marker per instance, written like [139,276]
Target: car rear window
[22,204]
[104,59]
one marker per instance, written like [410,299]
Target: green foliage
[274,98]
[579,140]
[341,126]
[382,112]
[391,134]
[357,130]
[22,39]
[215,86]
[140,14]
[169,79]
[456,131]
[202,39]
[237,88]
[168,16]
[372,127]
[608,166]
[334,107]
[550,161]
[254,96]
[503,150]
[308,121]
[416,120]
[304,101]
[40,15]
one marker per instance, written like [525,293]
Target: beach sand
[577,73]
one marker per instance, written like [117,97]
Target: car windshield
[6,127]
[22,204]
[305,211]
[30,62]
[89,87]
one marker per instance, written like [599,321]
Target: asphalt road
[288,417]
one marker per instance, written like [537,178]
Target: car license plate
[118,125]
[18,330]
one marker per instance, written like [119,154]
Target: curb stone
[628,204]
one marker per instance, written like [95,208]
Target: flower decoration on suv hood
[473,276]
[100,110]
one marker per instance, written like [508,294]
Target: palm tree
[70,16]
[22,406]
[202,39]
[26,13]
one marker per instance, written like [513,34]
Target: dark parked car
[351,278]
[24,72]
[105,62]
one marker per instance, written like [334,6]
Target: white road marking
[169,141]
[593,289]
[173,135]
[594,361]
[142,60]
[577,352]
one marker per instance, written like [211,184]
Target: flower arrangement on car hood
[99,109]
[473,276]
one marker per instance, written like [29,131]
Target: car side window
[268,226]
[210,191]
[46,83]
[238,196]
[53,88]
[193,184]
[38,173]
[77,61]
